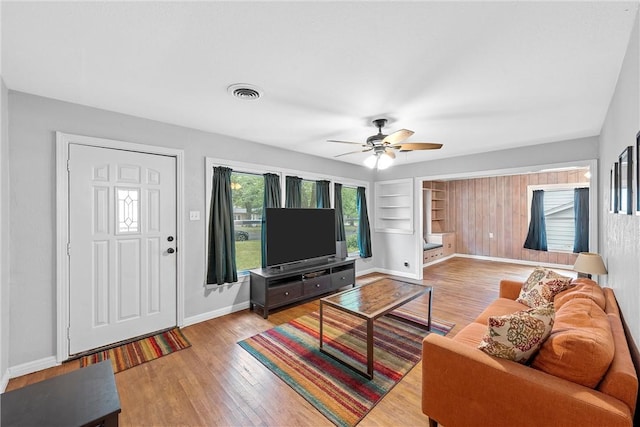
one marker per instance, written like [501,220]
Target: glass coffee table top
[375,299]
[370,302]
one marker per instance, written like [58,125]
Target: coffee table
[370,302]
[85,397]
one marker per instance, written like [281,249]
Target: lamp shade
[589,263]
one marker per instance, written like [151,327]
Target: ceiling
[475,76]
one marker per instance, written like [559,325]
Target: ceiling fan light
[384,161]
[371,161]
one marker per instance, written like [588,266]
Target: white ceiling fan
[383,146]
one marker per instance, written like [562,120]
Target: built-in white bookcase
[394,206]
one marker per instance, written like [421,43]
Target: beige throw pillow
[544,292]
[542,286]
[519,335]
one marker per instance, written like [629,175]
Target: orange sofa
[464,386]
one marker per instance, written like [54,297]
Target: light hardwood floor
[216,382]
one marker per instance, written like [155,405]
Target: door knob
[171,250]
[170,239]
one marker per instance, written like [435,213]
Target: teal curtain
[337,204]
[221,265]
[271,199]
[581,211]
[364,232]
[293,190]
[537,235]
[323,199]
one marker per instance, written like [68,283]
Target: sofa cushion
[583,288]
[519,335]
[539,274]
[471,334]
[543,292]
[499,307]
[580,347]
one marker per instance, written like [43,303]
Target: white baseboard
[396,273]
[215,313]
[517,261]
[367,271]
[245,305]
[31,367]
[4,381]
[438,260]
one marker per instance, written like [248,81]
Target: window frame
[555,187]
[355,187]
[254,168]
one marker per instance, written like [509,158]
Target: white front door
[122,234]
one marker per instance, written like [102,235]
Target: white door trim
[62,226]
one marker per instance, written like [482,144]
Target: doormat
[291,352]
[138,352]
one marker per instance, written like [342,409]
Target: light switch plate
[194,215]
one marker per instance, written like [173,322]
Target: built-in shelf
[394,206]
[436,215]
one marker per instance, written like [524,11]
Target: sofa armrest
[462,385]
[510,289]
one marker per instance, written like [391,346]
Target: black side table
[84,397]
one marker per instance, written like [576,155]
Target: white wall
[620,233]
[32,123]
[4,237]
[4,220]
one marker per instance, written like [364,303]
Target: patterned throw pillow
[541,286]
[540,273]
[543,293]
[519,335]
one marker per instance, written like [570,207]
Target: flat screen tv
[299,234]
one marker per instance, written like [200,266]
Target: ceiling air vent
[245,91]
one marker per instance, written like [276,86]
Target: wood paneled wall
[498,205]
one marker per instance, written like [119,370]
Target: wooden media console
[274,287]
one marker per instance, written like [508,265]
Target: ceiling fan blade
[353,152]
[397,137]
[390,153]
[346,142]
[411,146]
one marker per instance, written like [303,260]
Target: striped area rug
[138,352]
[439,326]
[342,395]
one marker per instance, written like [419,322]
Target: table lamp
[589,263]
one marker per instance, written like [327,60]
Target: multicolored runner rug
[138,352]
[342,395]
[439,326]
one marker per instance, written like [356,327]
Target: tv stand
[275,287]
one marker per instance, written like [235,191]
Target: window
[559,214]
[560,219]
[128,210]
[247,190]
[350,215]
[308,194]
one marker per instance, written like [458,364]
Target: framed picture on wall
[638,173]
[625,195]
[613,189]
